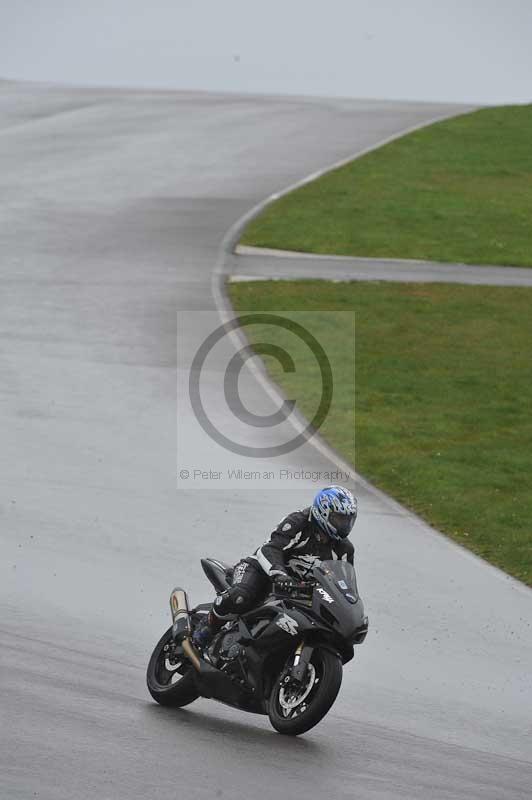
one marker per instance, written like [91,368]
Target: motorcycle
[283,659]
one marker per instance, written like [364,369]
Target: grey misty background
[468,51]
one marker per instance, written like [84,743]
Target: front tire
[293,714]
[170,677]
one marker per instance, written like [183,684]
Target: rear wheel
[170,676]
[296,709]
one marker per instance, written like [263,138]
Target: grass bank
[458,191]
[443,401]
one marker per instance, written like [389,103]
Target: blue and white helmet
[335,510]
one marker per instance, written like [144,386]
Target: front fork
[301,661]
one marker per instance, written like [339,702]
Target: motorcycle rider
[300,541]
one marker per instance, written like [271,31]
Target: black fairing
[337,602]
[251,651]
[333,613]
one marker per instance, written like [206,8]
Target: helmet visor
[342,522]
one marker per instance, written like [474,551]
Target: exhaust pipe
[180,613]
[181,629]
[192,654]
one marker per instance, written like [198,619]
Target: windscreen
[340,573]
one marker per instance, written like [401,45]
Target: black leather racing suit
[294,547]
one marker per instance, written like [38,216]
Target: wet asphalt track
[250,263]
[113,207]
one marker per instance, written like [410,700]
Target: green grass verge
[457,191]
[443,401]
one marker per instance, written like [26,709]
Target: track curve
[114,206]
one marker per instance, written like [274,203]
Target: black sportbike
[283,658]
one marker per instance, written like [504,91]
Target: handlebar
[297,586]
[308,584]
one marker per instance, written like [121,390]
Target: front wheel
[296,710]
[170,676]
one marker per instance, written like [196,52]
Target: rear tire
[324,681]
[170,682]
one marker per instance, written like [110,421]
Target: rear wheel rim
[169,667]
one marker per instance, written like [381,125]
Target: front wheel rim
[294,703]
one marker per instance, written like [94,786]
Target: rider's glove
[282,581]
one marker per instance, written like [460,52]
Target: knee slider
[221,606]
[236,600]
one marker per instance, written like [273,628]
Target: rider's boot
[207,630]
